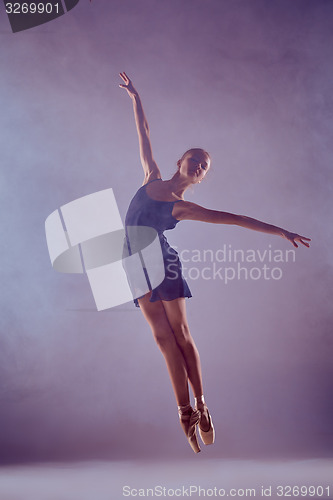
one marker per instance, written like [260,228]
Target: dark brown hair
[193,150]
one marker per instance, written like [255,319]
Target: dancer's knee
[163,338]
[183,335]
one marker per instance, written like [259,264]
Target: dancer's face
[195,166]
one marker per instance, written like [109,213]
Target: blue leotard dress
[144,211]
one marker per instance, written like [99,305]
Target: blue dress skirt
[144,211]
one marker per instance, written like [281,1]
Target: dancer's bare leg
[155,314]
[176,314]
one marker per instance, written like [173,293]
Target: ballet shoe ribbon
[194,420]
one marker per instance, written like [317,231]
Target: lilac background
[249,81]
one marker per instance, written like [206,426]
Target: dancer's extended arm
[186,210]
[149,165]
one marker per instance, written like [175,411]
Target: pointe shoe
[189,419]
[207,437]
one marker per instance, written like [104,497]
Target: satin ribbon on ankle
[193,417]
[194,420]
[199,400]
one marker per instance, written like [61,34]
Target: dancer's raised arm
[149,165]
[186,210]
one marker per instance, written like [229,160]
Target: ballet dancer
[160,204]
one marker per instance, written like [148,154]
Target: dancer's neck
[178,185]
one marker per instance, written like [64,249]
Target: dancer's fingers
[123,77]
[301,238]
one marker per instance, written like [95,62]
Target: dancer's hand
[132,92]
[293,237]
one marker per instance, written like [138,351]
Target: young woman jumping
[160,204]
